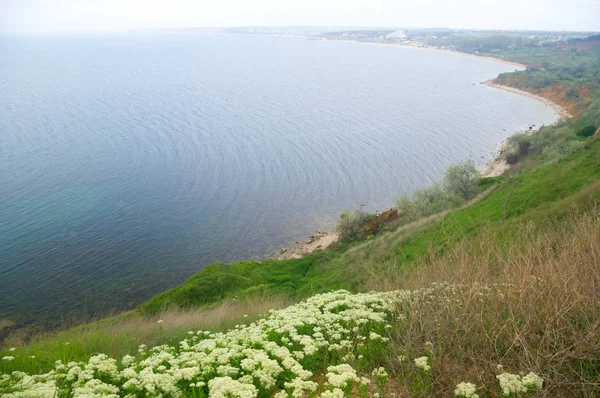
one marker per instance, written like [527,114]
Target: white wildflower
[421,363]
[511,384]
[466,390]
[339,376]
[335,393]
[380,373]
[226,387]
[532,381]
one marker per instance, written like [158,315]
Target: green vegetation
[245,278]
[460,183]
[553,142]
[462,179]
[549,65]
[425,202]
[350,224]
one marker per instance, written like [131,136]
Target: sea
[128,162]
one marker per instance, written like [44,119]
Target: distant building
[397,35]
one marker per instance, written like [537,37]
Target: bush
[561,149]
[523,145]
[572,93]
[425,202]
[591,115]
[539,80]
[461,180]
[587,131]
[350,224]
[512,158]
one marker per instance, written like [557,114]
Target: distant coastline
[442,50]
[560,110]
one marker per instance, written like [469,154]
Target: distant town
[472,41]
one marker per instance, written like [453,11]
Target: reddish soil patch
[371,226]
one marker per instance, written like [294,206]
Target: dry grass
[374,252]
[530,302]
[122,334]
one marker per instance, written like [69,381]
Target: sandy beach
[319,241]
[560,111]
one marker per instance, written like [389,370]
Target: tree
[461,179]
[572,93]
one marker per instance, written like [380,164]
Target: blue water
[129,162]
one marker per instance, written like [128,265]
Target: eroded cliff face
[556,93]
[371,226]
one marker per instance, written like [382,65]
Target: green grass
[122,334]
[245,278]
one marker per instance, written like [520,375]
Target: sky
[58,16]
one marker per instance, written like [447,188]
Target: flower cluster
[285,354]
[466,390]
[421,363]
[515,385]
[278,355]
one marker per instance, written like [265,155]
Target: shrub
[523,145]
[572,93]
[591,115]
[561,149]
[539,80]
[512,158]
[350,224]
[425,202]
[587,131]
[461,180]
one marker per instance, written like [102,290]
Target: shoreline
[497,167]
[319,241]
[441,50]
[562,112]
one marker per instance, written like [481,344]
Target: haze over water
[129,162]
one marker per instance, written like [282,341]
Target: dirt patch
[371,226]
[496,168]
[319,241]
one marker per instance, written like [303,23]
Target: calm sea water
[127,163]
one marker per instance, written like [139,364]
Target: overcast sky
[43,16]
